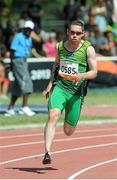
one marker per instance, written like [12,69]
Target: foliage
[8,3]
[98,97]
[53,10]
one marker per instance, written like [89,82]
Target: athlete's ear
[84,35]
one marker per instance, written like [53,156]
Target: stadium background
[93,153]
[53,20]
[105,85]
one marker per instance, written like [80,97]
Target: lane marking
[60,132]
[59,124]
[57,152]
[58,140]
[90,167]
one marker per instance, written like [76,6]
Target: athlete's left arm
[92,63]
[91,60]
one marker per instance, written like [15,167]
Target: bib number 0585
[68,70]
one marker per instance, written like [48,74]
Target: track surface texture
[90,153]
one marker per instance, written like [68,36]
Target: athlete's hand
[79,77]
[46,92]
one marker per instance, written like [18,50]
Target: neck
[72,46]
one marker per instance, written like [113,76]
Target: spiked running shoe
[47,159]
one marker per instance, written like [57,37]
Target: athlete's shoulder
[60,45]
[91,50]
[87,43]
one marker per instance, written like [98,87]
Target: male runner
[76,63]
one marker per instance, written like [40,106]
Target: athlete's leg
[49,131]
[56,104]
[72,114]
[68,129]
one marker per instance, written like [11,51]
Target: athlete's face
[75,33]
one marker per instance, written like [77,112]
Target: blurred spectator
[4,53]
[22,86]
[37,44]
[59,36]
[35,12]
[66,9]
[66,13]
[35,36]
[49,46]
[114,30]
[21,23]
[84,8]
[22,19]
[4,81]
[1,4]
[8,32]
[4,12]
[91,37]
[38,48]
[91,25]
[102,46]
[71,11]
[110,9]
[3,49]
[99,11]
[115,11]
[114,25]
[111,43]
[35,53]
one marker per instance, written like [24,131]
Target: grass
[40,119]
[101,97]
[94,98]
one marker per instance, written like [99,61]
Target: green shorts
[62,99]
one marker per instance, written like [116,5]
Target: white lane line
[57,152]
[20,136]
[60,132]
[58,140]
[90,167]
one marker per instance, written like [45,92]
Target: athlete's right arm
[46,92]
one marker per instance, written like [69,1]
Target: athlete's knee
[68,132]
[68,129]
[53,115]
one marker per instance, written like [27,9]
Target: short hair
[78,22]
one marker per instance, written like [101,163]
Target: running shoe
[27,111]
[47,159]
[10,112]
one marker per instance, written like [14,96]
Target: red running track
[91,153]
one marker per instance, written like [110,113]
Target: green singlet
[65,94]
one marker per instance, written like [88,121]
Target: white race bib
[68,69]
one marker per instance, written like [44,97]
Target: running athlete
[75,63]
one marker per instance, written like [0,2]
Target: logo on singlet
[70,54]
